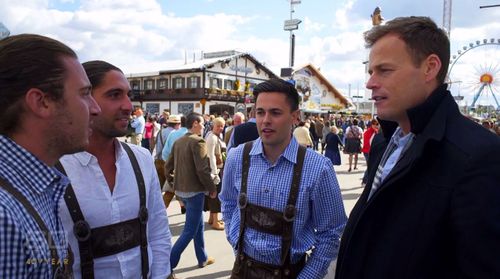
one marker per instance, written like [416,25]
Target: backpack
[353,133]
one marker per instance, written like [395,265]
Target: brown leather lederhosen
[60,269]
[111,239]
[268,221]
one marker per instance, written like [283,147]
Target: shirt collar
[85,157]
[399,138]
[290,152]
[37,173]
[420,115]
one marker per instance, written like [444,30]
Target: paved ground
[218,247]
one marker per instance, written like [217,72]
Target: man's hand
[213,195]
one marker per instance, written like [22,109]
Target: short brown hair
[29,61]
[422,37]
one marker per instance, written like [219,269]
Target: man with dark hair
[430,208]
[192,180]
[280,200]
[113,210]
[46,108]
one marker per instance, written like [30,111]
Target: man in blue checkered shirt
[273,199]
[46,107]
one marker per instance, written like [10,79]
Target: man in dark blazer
[431,206]
[245,132]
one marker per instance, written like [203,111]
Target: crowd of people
[77,202]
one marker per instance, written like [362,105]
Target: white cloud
[138,37]
[310,26]
[341,20]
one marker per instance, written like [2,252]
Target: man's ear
[432,65]
[296,117]
[38,102]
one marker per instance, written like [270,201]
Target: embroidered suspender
[265,219]
[111,239]
[58,272]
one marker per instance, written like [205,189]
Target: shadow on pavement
[350,196]
[350,189]
[220,274]
[358,171]
[176,228]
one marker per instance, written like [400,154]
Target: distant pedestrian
[137,123]
[353,135]
[333,142]
[245,132]
[302,135]
[192,179]
[216,151]
[368,136]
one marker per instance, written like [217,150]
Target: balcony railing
[187,94]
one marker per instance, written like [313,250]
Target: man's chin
[117,133]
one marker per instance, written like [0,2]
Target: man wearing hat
[172,123]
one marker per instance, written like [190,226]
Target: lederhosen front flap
[111,239]
[268,220]
[59,272]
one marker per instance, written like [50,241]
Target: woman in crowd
[148,132]
[302,135]
[368,136]
[353,135]
[333,142]
[215,149]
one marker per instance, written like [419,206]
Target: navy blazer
[245,132]
[437,214]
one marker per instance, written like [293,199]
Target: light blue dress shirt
[172,137]
[320,217]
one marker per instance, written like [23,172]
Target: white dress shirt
[101,207]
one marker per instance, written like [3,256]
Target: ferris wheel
[474,73]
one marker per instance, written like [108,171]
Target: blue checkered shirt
[24,252]
[320,217]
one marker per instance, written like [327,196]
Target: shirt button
[266,191]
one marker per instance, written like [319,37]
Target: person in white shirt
[124,232]
[216,149]
[302,135]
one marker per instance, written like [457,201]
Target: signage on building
[246,70]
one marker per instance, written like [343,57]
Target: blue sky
[149,35]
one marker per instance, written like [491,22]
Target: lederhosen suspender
[58,272]
[111,239]
[265,219]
